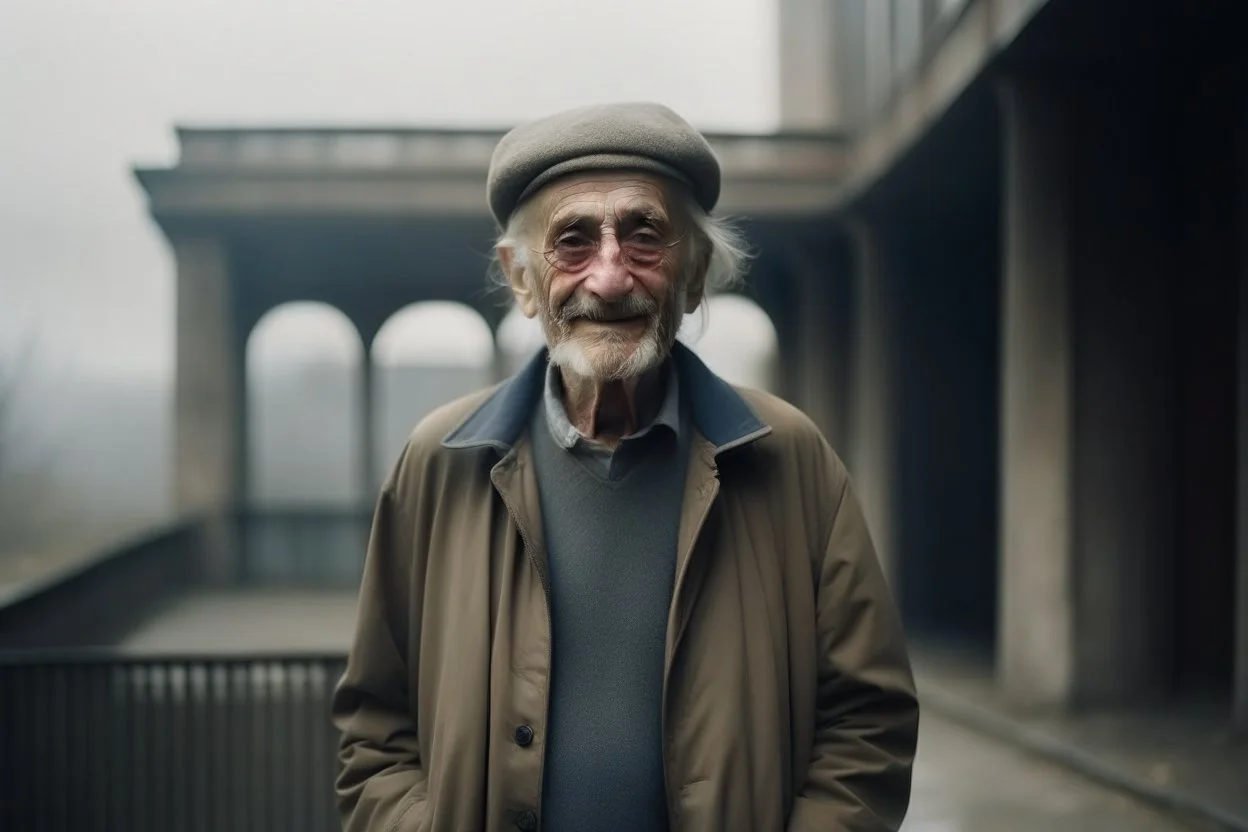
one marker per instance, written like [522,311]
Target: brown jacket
[788,698]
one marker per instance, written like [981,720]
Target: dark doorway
[1208,213]
[940,209]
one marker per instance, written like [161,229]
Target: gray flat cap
[633,136]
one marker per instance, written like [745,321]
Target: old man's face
[607,272]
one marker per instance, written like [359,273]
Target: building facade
[1003,246]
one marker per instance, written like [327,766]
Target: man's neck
[607,411]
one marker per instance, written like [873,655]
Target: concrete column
[210,416]
[1241,595]
[209,387]
[1035,641]
[872,451]
[820,343]
[877,67]
[1089,503]
[370,478]
[808,94]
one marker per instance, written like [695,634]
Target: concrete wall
[925,377]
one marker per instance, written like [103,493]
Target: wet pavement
[966,782]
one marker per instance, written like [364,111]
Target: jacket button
[526,821]
[524,736]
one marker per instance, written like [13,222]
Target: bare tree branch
[14,379]
[28,476]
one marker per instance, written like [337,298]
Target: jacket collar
[719,412]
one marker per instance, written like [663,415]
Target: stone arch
[737,339]
[518,339]
[424,356]
[304,408]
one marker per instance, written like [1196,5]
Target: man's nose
[608,276]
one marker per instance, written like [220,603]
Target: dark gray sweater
[611,549]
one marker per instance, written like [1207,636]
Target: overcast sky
[92,87]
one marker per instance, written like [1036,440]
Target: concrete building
[1004,262]
[1002,245]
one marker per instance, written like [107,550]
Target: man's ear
[516,279]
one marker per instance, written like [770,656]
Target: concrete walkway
[260,620]
[966,782]
[1182,758]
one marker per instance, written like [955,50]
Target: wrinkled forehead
[614,195]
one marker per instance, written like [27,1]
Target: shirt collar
[566,434]
[717,411]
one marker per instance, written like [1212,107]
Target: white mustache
[595,309]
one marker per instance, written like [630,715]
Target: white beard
[608,360]
[613,358]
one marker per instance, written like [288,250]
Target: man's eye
[572,241]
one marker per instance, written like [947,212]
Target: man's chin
[613,361]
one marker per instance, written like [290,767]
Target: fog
[93,88]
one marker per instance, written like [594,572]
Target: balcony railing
[882,43]
[460,152]
[102,741]
[92,737]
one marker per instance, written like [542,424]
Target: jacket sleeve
[381,785]
[867,716]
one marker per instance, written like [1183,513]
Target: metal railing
[93,738]
[882,43]
[103,741]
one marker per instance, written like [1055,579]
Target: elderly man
[614,592]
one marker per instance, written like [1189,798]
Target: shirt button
[524,736]
[526,821]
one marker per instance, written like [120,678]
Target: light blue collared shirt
[614,463]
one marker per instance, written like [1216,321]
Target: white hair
[729,253]
[715,240]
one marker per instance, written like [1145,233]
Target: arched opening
[734,336]
[304,416]
[519,338]
[425,355]
[736,339]
[303,408]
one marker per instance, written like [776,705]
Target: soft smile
[632,319]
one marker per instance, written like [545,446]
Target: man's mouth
[620,319]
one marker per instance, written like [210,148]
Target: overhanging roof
[421,172]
